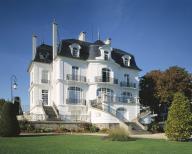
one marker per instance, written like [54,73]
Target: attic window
[75,49]
[75,52]
[126,60]
[106,55]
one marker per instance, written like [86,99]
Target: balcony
[128,84]
[76,78]
[44,81]
[73,101]
[106,80]
[117,100]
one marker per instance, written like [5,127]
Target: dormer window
[75,52]
[75,49]
[106,55]
[126,60]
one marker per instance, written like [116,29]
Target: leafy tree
[148,90]
[157,88]
[9,125]
[174,79]
[178,124]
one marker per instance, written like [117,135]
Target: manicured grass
[75,144]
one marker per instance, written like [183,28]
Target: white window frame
[73,47]
[126,60]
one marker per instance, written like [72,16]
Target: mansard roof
[88,51]
[44,54]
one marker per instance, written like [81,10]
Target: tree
[148,90]
[178,124]
[174,79]
[9,125]
[157,88]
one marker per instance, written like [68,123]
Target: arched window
[105,75]
[105,94]
[121,113]
[75,95]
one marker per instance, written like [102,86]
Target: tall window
[126,77]
[45,97]
[106,55]
[75,52]
[44,78]
[105,94]
[74,95]
[105,75]
[75,72]
[126,61]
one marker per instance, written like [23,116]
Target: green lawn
[74,144]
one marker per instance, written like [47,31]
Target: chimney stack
[55,45]
[82,36]
[34,46]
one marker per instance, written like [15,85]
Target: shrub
[93,129]
[104,130]
[9,125]
[179,118]
[154,127]
[118,134]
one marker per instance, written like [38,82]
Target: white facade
[94,90]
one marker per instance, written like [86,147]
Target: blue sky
[157,32]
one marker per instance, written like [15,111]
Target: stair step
[50,113]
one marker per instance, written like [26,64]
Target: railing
[76,101]
[75,118]
[128,84]
[56,110]
[44,81]
[106,80]
[117,100]
[107,108]
[76,78]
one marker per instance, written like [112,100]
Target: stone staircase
[136,129]
[51,115]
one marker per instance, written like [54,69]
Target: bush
[104,130]
[9,125]
[118,134]
[93,129]
[178,124]
[154,127]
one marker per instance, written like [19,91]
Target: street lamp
[13,85]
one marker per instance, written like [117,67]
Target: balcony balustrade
[117,100]
[74,101]
[106,80]
[78,78]
[128,84]
[44,81]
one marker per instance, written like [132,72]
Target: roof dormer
[75,49]
[126,60]
[105,52]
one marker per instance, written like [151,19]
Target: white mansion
[76,80]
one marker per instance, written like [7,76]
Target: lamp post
[13,85]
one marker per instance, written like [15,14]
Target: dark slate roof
[44,54]
[88,51]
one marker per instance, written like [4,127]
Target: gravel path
[151,136]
